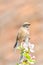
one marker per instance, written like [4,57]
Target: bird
[23,33]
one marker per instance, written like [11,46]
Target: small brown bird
[23,33]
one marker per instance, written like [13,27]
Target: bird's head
[26,25]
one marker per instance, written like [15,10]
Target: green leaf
[28,57]
[18,64]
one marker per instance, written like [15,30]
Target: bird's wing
[22,34]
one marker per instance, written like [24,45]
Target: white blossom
[25,46]
[33,56]
[31,46]
[31,50]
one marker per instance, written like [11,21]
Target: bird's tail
[15,45]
